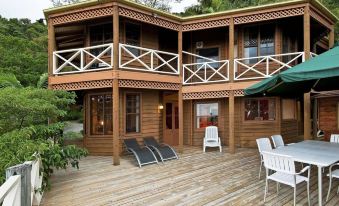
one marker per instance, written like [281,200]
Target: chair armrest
[290,144]
[304,170]
[335,164]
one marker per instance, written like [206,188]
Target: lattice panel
[84,85]
[83,15]
[148,18]
[206,24]
[148,84]
[239,93]
[206,95]
[269,15]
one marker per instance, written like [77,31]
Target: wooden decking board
[195,179]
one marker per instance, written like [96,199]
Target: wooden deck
[212,178]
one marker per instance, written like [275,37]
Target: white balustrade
[10,191]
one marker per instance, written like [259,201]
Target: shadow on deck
[196,178]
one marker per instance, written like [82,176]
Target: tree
[63,2]
[158,4]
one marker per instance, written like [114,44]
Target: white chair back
[211,133]
[264,144]
[277,141]
[334,138]
[279,163]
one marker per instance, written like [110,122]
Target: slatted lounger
[165,151]
[144,155]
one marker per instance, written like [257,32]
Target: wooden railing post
[180,95]
[231,92]
[24,170]
[115,90]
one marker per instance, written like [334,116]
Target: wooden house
[143,72]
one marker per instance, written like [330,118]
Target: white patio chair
[211,138]
[283,168]
[332,174]
[277,141]
[264,144]
[334,138]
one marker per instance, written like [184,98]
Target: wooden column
[315,118]
[180,96]
[51,46]
[231,143]
[307,33]
[115,115]
[331,38]
[307,116]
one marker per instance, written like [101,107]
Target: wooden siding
[328,116]
[151,123]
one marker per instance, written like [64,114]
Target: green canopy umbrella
[320,73]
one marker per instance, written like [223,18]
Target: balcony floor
[212,178]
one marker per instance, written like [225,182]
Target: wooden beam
[307,116]
[180,96]
[115,115]
[307,33]
[231,143]
[51,46]
[231,49]
[331,38]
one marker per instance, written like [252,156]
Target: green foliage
[72,135]
[9,80]
[43,81]
[158,4]
[64,2]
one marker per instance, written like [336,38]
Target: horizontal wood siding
[289,130]
[328,120]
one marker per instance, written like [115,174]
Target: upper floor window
[211,53]
[258,41]
[259,109]
[101,114]
[101,34]
[132,113]
[207,114]
[133,36]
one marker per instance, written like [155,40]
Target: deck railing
[150,60]
[206,71]
[265,66]
[85,59]
[10,191]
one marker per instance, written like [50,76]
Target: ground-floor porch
[197,178]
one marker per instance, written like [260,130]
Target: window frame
[209,47]
[257,121]
[195,122]
[125,114]
[97,24]
[88,116]
[140,34]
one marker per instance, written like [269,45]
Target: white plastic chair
[212,138]
[283,168]
[264,144]
[332,174]
[277,141]
[334,138]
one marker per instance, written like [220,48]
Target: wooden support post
[231,142]
[307,33]
[331,38]
[307,116]
[51,46]
[315,118]
[180,96]
[115,115]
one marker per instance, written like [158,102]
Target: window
[132,113]
[259,109]
[211,53]
[258,41]
[100,34]
[288,109]
[207,115]
[132,37]
[101,114]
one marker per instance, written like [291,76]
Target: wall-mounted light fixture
[161,107]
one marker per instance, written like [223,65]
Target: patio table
[319,153]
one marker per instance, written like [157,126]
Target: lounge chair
[164,151]
[144,155]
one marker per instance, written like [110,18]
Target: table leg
[320,186]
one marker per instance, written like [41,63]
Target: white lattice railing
[143,59]
[10,191]
[265,66]
[206,71]
[83,59]
[36,181]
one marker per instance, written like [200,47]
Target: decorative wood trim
[132,14]
[212,94]
[83,85]
[82,15]
[263,16]
[148,84]
[221,22]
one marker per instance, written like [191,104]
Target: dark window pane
[101,115]
[267,40]
[251,44]
[132,113]
[211,53]
[133,33]
[168,115]
[259,109]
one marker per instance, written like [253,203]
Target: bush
[72,135]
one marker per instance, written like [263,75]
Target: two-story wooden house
[143,72]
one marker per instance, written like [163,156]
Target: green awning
[302,77]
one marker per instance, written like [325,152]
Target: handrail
[160,66]
[10,191]
[80,55]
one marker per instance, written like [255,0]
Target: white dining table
[318,153]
